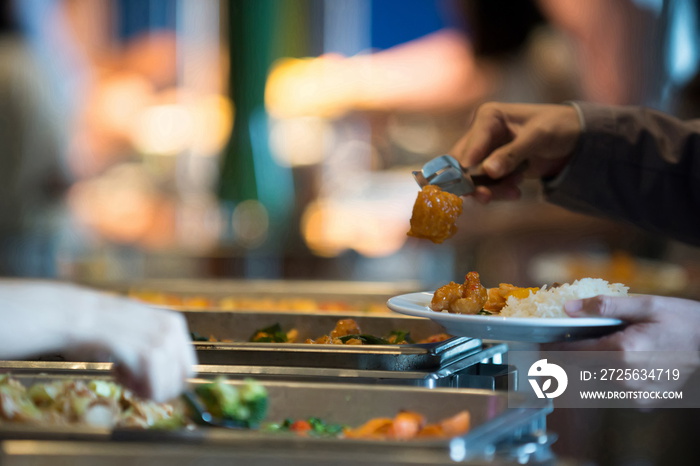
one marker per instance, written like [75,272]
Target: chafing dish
[240,326]
[262,295]
[496,419]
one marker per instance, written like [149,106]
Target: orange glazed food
[434,214]
[471,297]
[467,298]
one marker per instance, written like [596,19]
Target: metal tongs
[201,416]
[446,173]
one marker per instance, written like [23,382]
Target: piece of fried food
[343,327]
[499,296]
[467,298]
[434,214]
[471,297]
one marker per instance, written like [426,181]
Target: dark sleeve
[638,165]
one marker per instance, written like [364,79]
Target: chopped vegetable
[300,426]
[247,404]
[364,339]
[312,426]
[407,425]
[400,337]
[94,402]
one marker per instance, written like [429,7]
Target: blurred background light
[274,132]
[250,223]
[300,141]
[212,120]
[163,130]
[415,133]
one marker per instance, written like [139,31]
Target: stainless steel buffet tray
[495,419]
[106,453]
[262,295]
[225,287]
[480,369]
[240,326]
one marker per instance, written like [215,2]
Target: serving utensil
[446,173]
[200,415]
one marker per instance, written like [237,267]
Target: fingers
[152,349]
[505,190]
[509,157]
[487,132]
[502,136]
[168,363]
[627,308]
[633,310]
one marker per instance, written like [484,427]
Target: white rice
[550,302]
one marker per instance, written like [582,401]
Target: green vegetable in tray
[396,337]
[246,404]
[484,313]
[197,337]
[271,334]
[399,337]
[314,426]
[321,427]
[365,339]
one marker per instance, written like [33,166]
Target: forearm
[41,316]
[636,164]
[151,347]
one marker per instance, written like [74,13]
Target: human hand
[655,323]
[152,349]
[503,136]
[662,334]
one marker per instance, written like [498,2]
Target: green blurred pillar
[260,31]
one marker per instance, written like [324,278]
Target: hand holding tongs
[446,173]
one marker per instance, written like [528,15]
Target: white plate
[532,329]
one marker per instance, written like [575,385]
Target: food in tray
[311,426]
[274,334]
[434,214]
[348,332]
[246,404]
[406,425]
[507,300]
[247,303]
[345,332]
[102,403]
[95,402]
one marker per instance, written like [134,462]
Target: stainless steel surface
[67,453]
[473,371]
[446,173]
[240,326]
[495,418]
[469,372]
